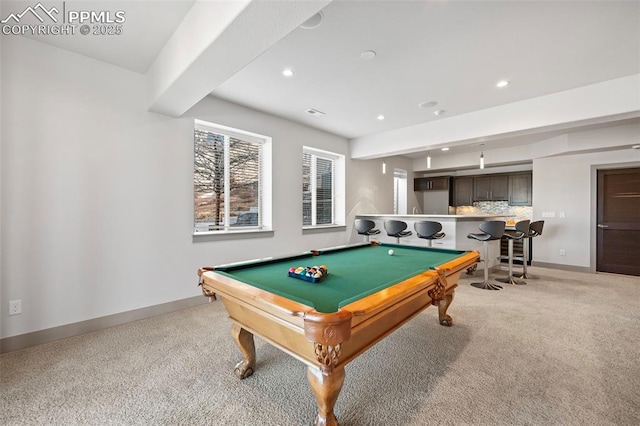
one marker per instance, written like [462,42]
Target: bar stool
[522,229]
[366,227]
[396,228]
[535,229]
[492,230]
[429,230]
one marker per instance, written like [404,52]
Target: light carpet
[561,350]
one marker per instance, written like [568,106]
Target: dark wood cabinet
[440,183]
[491,188]
[515,188]
[520,189]
[462,194]
[481,188]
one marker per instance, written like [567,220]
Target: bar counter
[456,228]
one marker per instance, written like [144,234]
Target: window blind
[318,194]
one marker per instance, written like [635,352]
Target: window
[231,180]
[399,191]
[322,188]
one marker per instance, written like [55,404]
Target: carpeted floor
[562,350]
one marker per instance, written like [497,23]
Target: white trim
[321,153]
[21,341]
[265,188]
[313,171]
[229,131]
[227,180]
[338,191]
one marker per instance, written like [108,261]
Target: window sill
[323,228]
[232,235]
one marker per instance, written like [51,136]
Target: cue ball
[391,252]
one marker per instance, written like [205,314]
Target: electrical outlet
[15,307]
[563,253]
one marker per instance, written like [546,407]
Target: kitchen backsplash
[497,207]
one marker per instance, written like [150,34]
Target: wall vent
[315,112]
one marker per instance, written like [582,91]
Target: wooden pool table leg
[443,305]
[326,388]
[244,341]
[441,298]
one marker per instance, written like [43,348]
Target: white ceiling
[149,25]
[452,52]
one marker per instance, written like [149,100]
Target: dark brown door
[618,233]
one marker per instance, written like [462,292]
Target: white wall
[568,184]
[435,202]
[2,313]
[96,192]
[96,204]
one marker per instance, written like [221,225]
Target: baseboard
[570,268]
[14,343]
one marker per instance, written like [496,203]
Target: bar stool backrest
[427,228]
[394,227]
[363,226]
[536,228]
[495,228]
[523,226]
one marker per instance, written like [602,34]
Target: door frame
[593,235]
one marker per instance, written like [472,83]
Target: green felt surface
[353,273]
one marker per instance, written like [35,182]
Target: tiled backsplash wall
[497,207]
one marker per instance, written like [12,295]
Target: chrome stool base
[491,231]
[511,280]
[487,286]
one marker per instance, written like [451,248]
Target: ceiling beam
[214,41]
[611,100]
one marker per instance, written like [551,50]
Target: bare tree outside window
[226,181]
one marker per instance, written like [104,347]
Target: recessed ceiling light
[380,117]
[502,83]
[313,22]
[287,72]
[445,149]
[367,55]
[439,112]
[428,104]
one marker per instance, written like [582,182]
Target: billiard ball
[391,252]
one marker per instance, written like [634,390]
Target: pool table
[367,294]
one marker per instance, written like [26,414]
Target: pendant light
[428,160]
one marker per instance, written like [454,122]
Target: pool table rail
[223,285]
[380,300]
